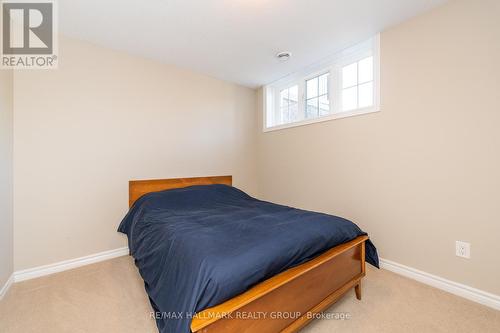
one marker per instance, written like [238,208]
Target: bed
[214,259]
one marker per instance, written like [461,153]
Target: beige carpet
[110,297]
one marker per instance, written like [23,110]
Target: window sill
[333,116]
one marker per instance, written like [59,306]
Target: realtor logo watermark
[29,36]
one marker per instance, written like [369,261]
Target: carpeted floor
[110,297]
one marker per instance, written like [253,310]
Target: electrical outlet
[462,249]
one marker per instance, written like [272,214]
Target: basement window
[317,102]
[346,84]
[289,104]
[357,85]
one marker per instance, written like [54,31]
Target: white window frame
[334,66]
[316,75]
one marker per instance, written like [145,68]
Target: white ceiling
[234,40]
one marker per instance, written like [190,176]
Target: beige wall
[83,130]
[417,176]
[425,171]
[6,227]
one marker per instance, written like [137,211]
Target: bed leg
[357,289]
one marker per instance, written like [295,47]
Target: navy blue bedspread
[199,246]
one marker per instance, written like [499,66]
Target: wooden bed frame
[285,302]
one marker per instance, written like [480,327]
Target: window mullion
[288,104]
[357,85]
[301,100]
[336,90]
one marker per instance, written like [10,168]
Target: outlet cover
[462,249]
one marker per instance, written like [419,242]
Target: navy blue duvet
[196,247]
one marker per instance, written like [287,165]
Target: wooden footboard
[288,301]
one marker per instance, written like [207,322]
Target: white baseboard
[32,273]
[6,286]
[455,288]
[473,294]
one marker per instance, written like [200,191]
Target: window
[289,104]
[317,102]
[344,85]
[357,85]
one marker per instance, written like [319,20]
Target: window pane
[366,95]
[349,99]
[365,67]
[312,108]
[294,112]
[323,84]
[312,88]
[284,98]
[293,94]
[285,115]
[324,105]
[350,75]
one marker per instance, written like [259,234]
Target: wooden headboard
[137,188]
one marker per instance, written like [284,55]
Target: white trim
[65,265]
[329,117]
[6,286]
[470,293]
[376,71]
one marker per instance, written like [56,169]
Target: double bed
[214,259]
